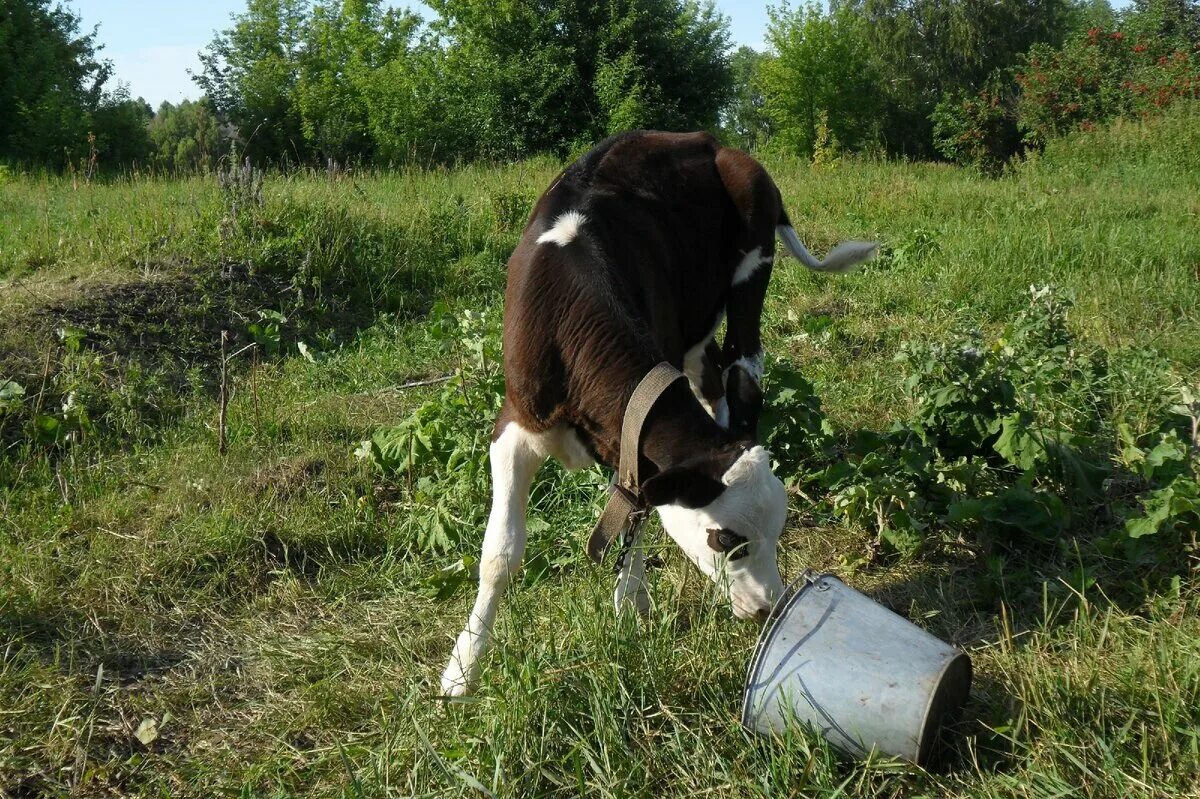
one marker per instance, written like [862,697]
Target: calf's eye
[724,540]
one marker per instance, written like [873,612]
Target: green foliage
[511,209]
[265,331]
[1003,447]
[929,49]
[744,121]
[1084,15]
[549,75]
[1172,24]
[350,81]
[797,433]
[186,138]
[86,397]
[1098,76]
[50,83]
[344,45]
[441,448]
[440,451]
[820,78]
[11,395]
[122,130]
[1171,466]
[977,129]
[303,82]
[1166,143]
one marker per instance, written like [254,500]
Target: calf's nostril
[761,615]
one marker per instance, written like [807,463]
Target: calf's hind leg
[516,455]
[757,199]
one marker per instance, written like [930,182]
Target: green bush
[1097,77]
[1010,442]
[1167,144]
[977,129]
[440,451]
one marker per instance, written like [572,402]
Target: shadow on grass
[976,607]
[155,339]
[57,634]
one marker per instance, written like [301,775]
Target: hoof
[455,682]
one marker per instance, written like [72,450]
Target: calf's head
[726,511]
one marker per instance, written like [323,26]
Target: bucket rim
[791,594]
[928,736]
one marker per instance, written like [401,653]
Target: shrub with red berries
[1097,77]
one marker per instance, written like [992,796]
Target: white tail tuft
[841,258]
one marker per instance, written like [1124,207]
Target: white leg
[631,580]
[515,456]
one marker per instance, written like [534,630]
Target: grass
[268,618]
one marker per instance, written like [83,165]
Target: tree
[821,77]
[547,75]
[50,82]
[250,72]
[928,49]
[187,137]
[121,127]
[348,80]
[1173,23]
[1083,15]
[345,43]
[744,120]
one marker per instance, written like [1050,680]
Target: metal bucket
[854,671]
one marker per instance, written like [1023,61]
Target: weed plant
[1014,470]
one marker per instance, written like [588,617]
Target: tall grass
[266,623]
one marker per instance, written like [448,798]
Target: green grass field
[272,621]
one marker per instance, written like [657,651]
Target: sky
[152,45]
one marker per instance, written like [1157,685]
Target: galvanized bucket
[849,668]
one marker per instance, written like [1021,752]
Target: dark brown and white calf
[633,256]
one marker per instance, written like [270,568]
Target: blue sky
[153,44]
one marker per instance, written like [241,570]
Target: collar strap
[626,508]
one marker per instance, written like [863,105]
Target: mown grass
[273,614]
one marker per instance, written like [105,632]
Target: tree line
[295,82]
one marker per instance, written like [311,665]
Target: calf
[633,256]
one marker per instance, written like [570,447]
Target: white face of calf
[728,524]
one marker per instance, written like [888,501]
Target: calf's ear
[688,485]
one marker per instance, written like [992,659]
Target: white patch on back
[564,230]
[751,262]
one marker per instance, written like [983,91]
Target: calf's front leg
[516,455]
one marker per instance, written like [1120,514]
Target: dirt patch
[142,345]
[170,322]
[288,478]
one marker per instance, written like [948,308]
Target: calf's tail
[842,258]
